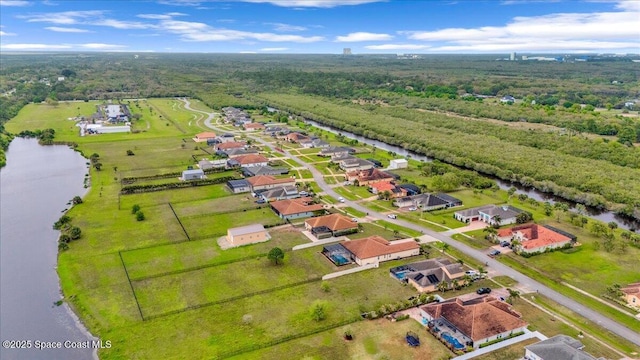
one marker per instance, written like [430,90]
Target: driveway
[479,255]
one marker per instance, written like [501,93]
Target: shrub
[139,216]
[135,208]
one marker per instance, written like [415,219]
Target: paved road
[497,266]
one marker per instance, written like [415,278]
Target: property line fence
[179,222]
[131,285]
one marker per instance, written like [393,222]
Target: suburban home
[507,99]
[428,202]
[225,138]
[376,249]
[313,143]
[266,182]
[275,129]
[211,164]
[336,151]
[488,213]
[204,136]
[280,193]
[239,186]
[355,164]
[253,126]
[264,170]
[250,160]
[196,174]
[296,208]
[412,189]
[233,153]
[367,177]
[535,238]
[475,321]
[230,145]
[426,275]
[398,164]
[296,137]
[559,347]
[249,234]
[394,191]
[631,294]
[330,225]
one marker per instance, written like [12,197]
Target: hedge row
[137,189]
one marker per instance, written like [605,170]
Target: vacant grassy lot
[200,227]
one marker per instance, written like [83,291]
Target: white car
[341,199]
[392,216]
[413,209]
[354,219]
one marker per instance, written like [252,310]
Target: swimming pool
[401,274]
[451,340]
[339,259]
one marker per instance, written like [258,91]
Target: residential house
[330,225]
[411,189]
[280,193]
[367,177]
[204,136]
[427,275]
[253,126]
[230,145]
[355,164]
[296,208]
[266,182]
[250,160]
[488,213]
[226,137]
[296,137]
[379,188]
[273,130]
[376,249]
[508,99]
[631,294]
[535,238]
[196,174]
[428,202]
[239,186]
[314,143]
[264,170]
[398,164]
[336,151]
[476,321]
[249,234]
[212,164]
[559,347]
[233,153]
[375,162]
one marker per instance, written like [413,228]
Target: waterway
[36,186]
[601,215]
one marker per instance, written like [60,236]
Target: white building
[398,164]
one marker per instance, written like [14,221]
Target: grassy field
[515,351]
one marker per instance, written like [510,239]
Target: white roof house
[398,164]
[195,174]
[249,234]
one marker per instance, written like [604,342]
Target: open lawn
[515,351]
[200,227]
[206,207]
[369,229]
[174,196]
[402,230]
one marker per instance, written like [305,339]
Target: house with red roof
[534,238]
[473,322]
[230,145]
[394,191]
[266,182]
[376,249]
[296,208]
[631,294]
[250,160]
[253,126]
[369,176]
[204,136]
[296,137]
[330,225]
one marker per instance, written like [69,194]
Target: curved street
[497,266]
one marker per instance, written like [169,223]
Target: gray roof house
[428,202]
[232,153]
[264,170]
[239,186]
[280,193]
[426,275]
[488,213]
[355,164]
[559,347]
[336,150]
[195,174]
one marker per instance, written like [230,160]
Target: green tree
[442,286]
[491,232]
[612,225]
[135,208]
[140,215]
[64,238]
[276,255]
[318,312]
[497,220]
[513,295]
[548,208]
[75,233]
[97,165]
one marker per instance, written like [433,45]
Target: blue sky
[322,26]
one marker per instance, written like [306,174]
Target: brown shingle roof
[374,246]
[295,206]
[631,289]
[230,145]
[536,236]
[205,135]
[334,222]
[370,175]
[251,159]
[253,126]
[478,320]
[261,180]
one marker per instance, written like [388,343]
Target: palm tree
[455,284]
[491,232]
[443,286]
[482,271]
[466,280]
[496,221]
[513,295]
[445,247]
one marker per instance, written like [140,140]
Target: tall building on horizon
[346,51]
[513,56]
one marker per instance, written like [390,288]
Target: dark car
[494,253]
[484,290]
[505,244]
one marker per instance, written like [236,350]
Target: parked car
[341,199]
[392,216]
[484,290]
[261,201]
[303,193]
[505,244]
[354,219]
[494,253]
[413,209]
[471,272]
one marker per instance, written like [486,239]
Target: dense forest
[569,132]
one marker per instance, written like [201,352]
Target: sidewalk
[487,349]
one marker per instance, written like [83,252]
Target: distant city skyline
[322,26]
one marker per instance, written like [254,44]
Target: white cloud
[160,16]
[14,3]
[554,32]
[101,46]
[63,18]
[286,27]
[313,3]
[247,52]
[119,24]
[397,47]
[180,2]
[363,36]
[274,49]
[194,31]
[4,33]
[66,30]
[34,47]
